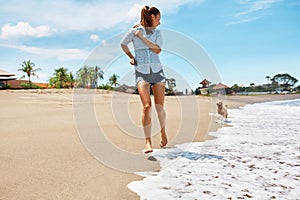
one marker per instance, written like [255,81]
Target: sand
[42,156]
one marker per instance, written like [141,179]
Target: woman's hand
[154,47]
[139,34]
[128,53]
[132,61]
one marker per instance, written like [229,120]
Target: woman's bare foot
[164,140]
[148,147]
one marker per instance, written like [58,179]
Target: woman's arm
[154,47]
[128,53]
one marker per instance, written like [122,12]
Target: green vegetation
[285,80]
[106,87]
[280,82]
[113,80]
[28,85]
[62,78]
[88,77]
[171,84]
[28,68]
[236,89]
[4,85]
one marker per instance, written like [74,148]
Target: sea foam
[258,157]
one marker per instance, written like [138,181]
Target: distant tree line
[284,81]
[86,77]
[90,77]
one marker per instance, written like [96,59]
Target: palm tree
[268,78]
[96,75]
[236,88]
[82,76]
[113,80]
[89,76]
[28,68]
[71,79]
[286,80]
[171,85]
[62,76]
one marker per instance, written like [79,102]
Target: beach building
[204,89]
[9,80]
[17,84]
[220,88]
[205,83]
[5,77]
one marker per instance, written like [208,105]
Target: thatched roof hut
[4,75]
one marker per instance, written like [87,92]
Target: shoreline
[43,157]
[249,172]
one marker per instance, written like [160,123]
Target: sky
[246,40]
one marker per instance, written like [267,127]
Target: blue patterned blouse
[145,58]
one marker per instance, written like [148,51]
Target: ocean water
[257,158]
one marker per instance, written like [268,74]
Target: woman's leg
[159,99]
[144,91]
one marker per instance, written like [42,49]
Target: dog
[222,111]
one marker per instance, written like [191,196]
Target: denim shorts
[152,78]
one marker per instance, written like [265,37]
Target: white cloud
[68,15]
[134,12]
[32,18]
[243,21]
[253,10]
[166,6]
[24,29]
[254,6]
[60,54]
[171,6]
[94,37]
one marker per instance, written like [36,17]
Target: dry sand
[42,157]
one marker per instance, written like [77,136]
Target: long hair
[146,20]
